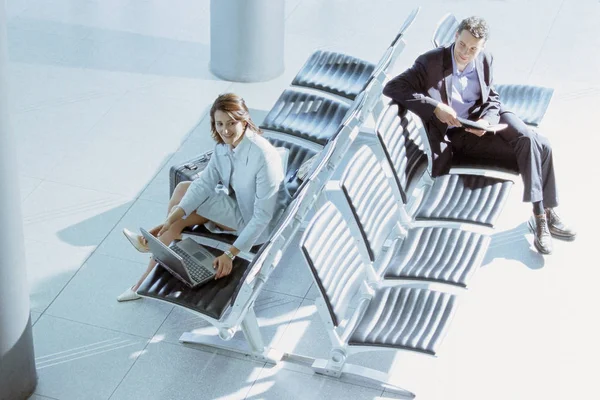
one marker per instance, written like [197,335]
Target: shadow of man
[514,244]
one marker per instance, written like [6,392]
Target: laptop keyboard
[197,272]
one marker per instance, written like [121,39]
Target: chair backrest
[269,255]
[334,260]
[340,142]
[298,153]
[373,199]
[393,51]
[397,44]
[407,23]
[384,64]
[310,116]
[337,73]
[445,31]
[528,102]
[402,140]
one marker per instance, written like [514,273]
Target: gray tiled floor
[106,95]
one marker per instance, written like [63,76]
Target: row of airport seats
[388,246]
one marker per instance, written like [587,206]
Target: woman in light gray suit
[251,172]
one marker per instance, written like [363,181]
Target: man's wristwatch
[229,254]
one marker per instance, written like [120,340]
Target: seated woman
[251,172]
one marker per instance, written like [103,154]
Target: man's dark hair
[476,26]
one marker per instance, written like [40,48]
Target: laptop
[186,260]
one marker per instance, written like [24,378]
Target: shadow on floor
[80,46]
[514,244]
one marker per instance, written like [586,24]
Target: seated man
[456,82]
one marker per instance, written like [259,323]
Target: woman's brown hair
[236,108]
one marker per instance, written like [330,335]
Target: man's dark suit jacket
[429,82]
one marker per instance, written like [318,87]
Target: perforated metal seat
[465,198]
[227,303]
[210,299]
[454,198]
[384,319]
[344,75]
[445,30]
[336,73]
[404,318]
[297,155]
[306,115]
[432,254]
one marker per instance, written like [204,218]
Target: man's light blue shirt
[465,88]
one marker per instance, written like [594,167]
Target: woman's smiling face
[230,129]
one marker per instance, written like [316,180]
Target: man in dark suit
[454,82]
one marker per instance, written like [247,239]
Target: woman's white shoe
[128,295]
[136,241]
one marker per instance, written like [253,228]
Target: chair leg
[253,346]
[254,338]
[355,373]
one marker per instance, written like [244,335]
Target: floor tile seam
[87,259]
[539,53]
[218,352]
[138,356]
[312,283]
[46,104]
[309,372]
[258,375]
[147,339]
[42,313]
[183,140]
[162,203]
[163,322]
[287,294]
[224,352]
[41,180]
[43,396]
[124,196]
[65,101]
[285,331]
[143,264]
[286,328]
[166,162]
[293,11]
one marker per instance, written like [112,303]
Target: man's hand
[478,132]
[223,265]
[446,114]
[176,214]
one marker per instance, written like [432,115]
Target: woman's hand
[223,265]
[176,214]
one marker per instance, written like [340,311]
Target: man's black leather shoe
[542,239]
[559,229]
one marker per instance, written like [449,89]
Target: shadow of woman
[514,244]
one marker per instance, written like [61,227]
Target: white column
[246,39]
[18,376]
